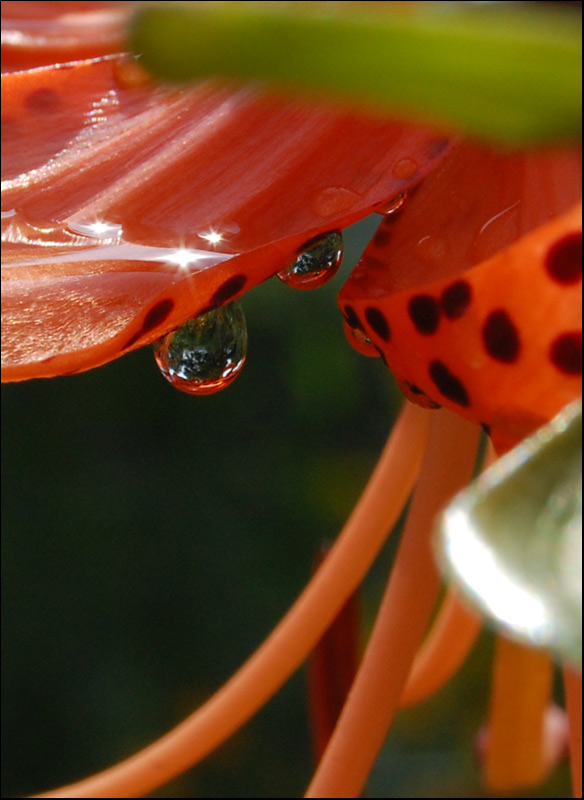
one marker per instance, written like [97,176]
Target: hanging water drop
[206,353]
[392,206]
[316,264]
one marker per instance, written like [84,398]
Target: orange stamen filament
[450,640]
[522,683]
[403,617]
[573,690]
[453,633]
[275,660]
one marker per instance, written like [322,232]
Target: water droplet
[430,249]
[206,353]
[404,169]
[128,73]
[317,264]
[391,206]
[333,200]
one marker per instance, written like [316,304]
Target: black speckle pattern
[154,317]
[564,259]
[424,312]
[501,337]
[566,353]
[381,355]
[378,323]
[353,320]
[419,396]
[448,384]
[456,299]
[157,314]
[227,290]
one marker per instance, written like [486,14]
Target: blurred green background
[152,539]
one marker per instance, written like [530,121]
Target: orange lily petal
[52,31]
[487,318]
[163,173]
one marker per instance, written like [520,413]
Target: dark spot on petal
[378,322]
[381,355]
[157,314]
[154,317]
[486,428]
[419,397]
[382,237]
[566,353]
[132,340]
[227,290]
[456,299]
[353,320]
[42,101]
[501,337]
[425,313]
[372,263]
[206,310]
[448,384]
[564,259]
[436,147]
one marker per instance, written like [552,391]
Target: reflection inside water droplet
[392,206]
[317,264]
[206,353]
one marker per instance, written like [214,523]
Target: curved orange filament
[403,617]
[521,692]
[450,640]
[573,690]
[453,633]
[287,646]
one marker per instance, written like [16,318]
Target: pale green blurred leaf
[511,76]
[513,540]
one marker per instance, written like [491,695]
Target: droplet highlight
[206,353]
[316,264]
[98,229]
[393,206]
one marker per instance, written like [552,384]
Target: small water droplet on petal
[206,353]
[333,200]
[128,73]
[405,168]
[317,264]
[430,250]
[392,206]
